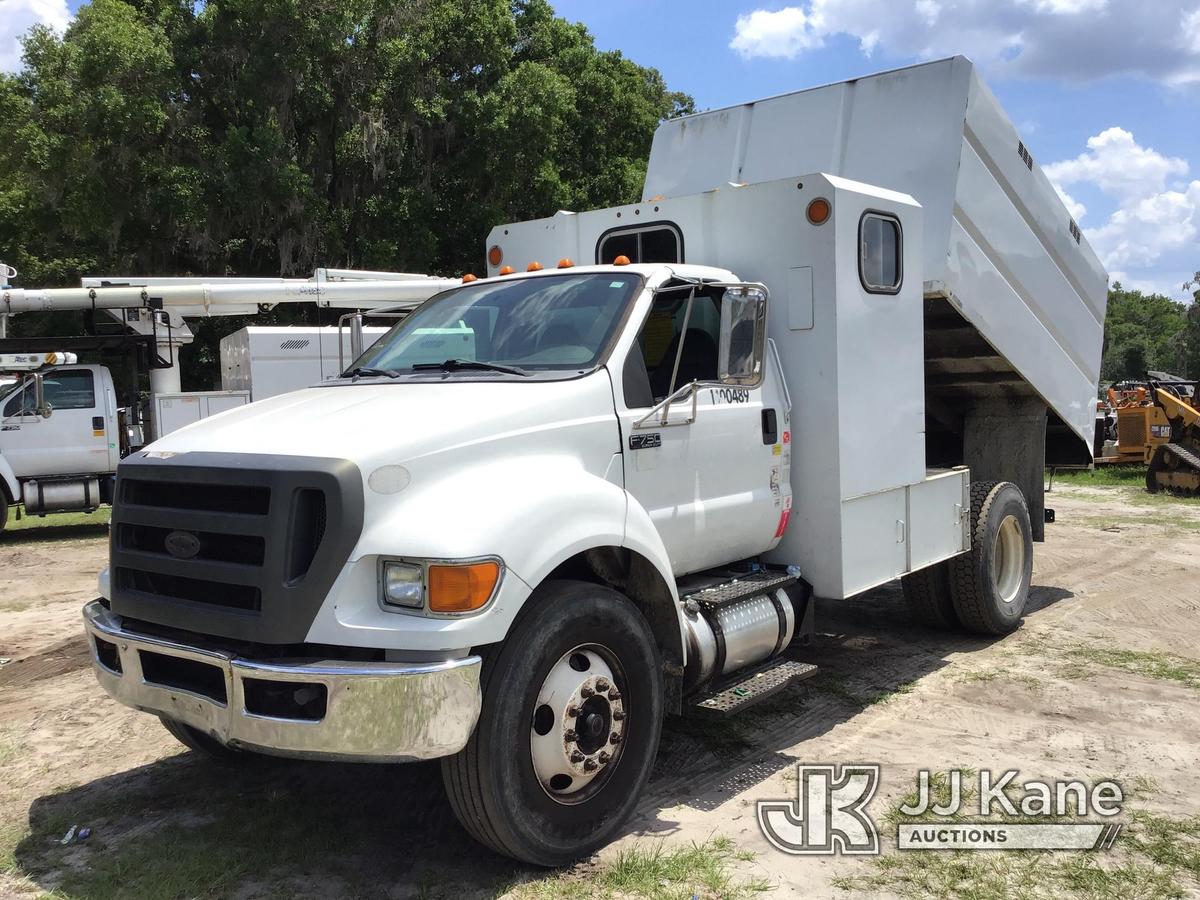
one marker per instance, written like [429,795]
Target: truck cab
[62,455]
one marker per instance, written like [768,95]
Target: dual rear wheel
[985,590]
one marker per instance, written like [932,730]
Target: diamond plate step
[746,690]
[746,586]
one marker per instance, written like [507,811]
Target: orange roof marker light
[495,255]
[621,260]
[818,211]
[565,263]
[534,266]
[469,277]
[507,270]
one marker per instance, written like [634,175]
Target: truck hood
[395,422]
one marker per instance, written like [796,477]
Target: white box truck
[266,360]
[670,424]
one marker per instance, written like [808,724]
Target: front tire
[201,743]
[990,585]
[571,719]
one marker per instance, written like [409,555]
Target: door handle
[770,427]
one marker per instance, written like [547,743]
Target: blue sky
[1106,93]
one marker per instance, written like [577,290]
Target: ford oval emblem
[182,544]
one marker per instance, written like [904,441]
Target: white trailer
[617,500]
[266,360]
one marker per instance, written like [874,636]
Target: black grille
[227,498]
[232,545]
[193,590]
[248,550]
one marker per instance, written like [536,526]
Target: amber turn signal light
[495,255]
[460,589]
[818,211]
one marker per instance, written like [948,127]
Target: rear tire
[520,785]
[927,592]
[3,511]
[201,743]
[990,585]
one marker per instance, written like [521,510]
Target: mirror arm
[664,406]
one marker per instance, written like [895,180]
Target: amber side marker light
[468,278]
[565,263]
[460,589]
[621,260]
[507,270]
[818,211]
[534,266]
[495,255]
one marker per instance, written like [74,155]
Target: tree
[1141,332]
[263,137]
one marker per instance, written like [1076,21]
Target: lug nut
[573,710]
[614,695]
[614,738]
[577,757]
[618,715]
[590,765]
[587,691]
[602,684]
[603,756]
[570,736]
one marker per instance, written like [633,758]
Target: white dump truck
[822,354]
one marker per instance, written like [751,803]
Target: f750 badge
[645,441]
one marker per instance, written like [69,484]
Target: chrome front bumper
[371,711]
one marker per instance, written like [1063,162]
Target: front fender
[534,513]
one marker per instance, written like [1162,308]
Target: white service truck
[63,428]
[670,424]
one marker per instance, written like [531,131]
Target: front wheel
[572,714]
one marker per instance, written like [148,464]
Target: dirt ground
[1102,680]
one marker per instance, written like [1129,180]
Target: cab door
[72,441]
[712,482]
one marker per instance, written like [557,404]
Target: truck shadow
[182,826]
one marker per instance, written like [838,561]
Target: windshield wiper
[454,365]
[368,372]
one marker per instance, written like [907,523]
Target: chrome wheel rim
[1008,560]
[579,724]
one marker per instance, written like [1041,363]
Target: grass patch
[1103,476]
[10,745]
[836,685]
[1155,857]
[58,520]
[1163,666]
[1118,522]
[656,873]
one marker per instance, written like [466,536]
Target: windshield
[553,323]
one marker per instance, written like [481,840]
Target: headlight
[444,587]
[404,584]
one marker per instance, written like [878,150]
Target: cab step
[744,690]
[738,588]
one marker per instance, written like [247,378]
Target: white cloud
[18,16]
[1155,231]
[1071,39]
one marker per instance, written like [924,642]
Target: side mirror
[743,335]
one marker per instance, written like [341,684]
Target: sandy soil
[1116,572]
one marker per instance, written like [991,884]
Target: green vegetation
[1163,666]
[658,873]
[1103,476]
[264,138]
[98,519]
[1150,331]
